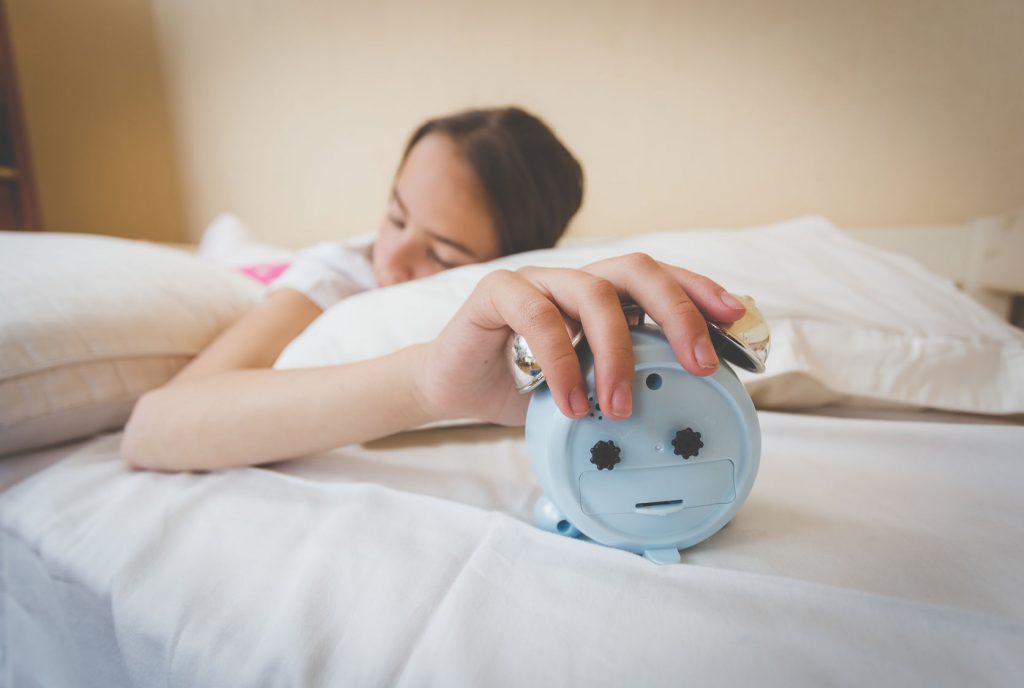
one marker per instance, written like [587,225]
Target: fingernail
[622,400]
[705,354]
[578,401]
[731,301]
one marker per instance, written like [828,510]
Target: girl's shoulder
[330,271]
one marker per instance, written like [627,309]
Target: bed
[882,544]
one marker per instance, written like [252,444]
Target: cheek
[427,268]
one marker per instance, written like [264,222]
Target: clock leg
[663,556]
[549,517]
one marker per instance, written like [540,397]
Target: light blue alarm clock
[671,475]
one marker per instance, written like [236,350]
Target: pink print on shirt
[264,273]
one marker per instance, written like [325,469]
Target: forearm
[247,417]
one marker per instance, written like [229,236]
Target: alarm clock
[673,473]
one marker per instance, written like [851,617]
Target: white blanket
[870,552]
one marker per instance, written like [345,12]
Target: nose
[407,257]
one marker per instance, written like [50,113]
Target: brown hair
[532,182]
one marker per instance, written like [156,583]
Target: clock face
[669,476]
[669,465]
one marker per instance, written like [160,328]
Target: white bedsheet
[870,552]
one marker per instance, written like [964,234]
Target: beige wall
[98,121]
[293,113]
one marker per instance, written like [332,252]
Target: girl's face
[436,218]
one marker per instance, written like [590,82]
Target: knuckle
[619,352]
[563,358]
[497,277]
[700,282]
[684,309]
[706,282]
[639,261]
[526,271]
[539,312]
[599,289]
[618,359]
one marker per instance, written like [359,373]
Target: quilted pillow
[90,323]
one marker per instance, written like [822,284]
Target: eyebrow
[458,246]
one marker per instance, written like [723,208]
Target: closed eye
[444,264]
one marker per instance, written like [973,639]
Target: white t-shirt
[329,272]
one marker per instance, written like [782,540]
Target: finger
[662,295]
[714,301]
[595,303]
[512,300]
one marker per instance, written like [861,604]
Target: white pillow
[850,323]
[89,323]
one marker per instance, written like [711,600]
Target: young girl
[470,187]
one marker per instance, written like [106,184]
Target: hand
[465,371]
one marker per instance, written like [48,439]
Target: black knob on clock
[605,454]
[687,443]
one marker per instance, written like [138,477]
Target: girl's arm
[183,424]
[207,419]
[257,339]
[244,417]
